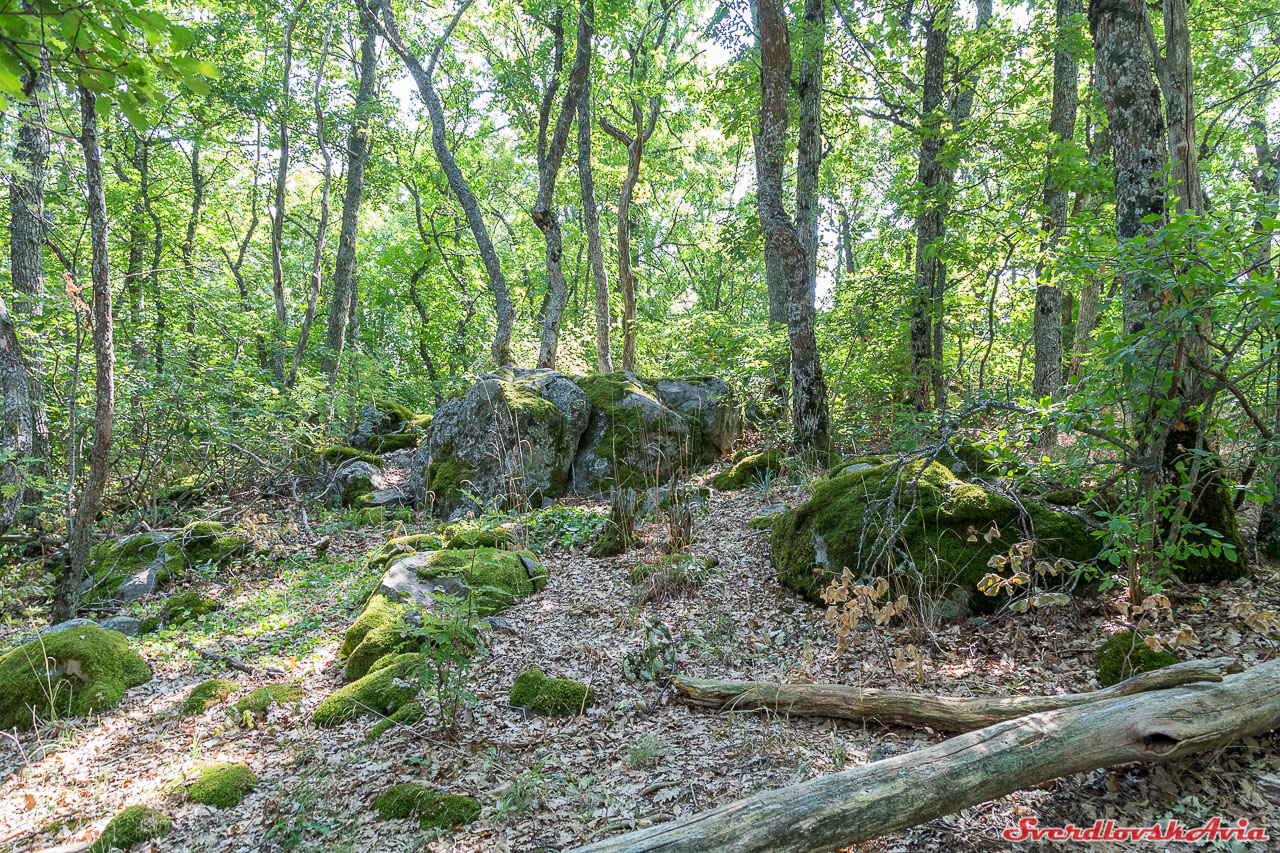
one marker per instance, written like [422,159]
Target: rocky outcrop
[918,522]
[525,436]
[137,565]
[385,426]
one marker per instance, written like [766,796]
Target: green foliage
[207,693]
[655,660]
[1125,655]
[759,466]
[132,825]
[433,810]
[222,784]
[551,696]
[67,673]
[571,526]
[335,455]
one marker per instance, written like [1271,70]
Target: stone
[126,625]
[351,481]
[759,467]
[534,691]
[132,825]
[138,565]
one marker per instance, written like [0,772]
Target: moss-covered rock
[1125,655]
[394,614]
[135,559]
[257,702]
[940,522]
[206,694]
[758,466]
[222,784]
[408,714]
[182,491]
[341,453]
[383,691]
[551,696]
[433,810]
[499,537]
[857,463]
[134,824]
[403,546]
[188,606]
[633,440]
[1222,555]
[67,673]
[611,542]
[371,515]
[381,444]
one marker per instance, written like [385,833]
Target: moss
[498,578]
[111,563]
[447,477]
[260,700]
[402,546]
[382,692]
[356,491]
[533,690]
[134,824]
[181,491]
[396,413]
[149,625]
[409,714]
[208,693]
[222,784]
[341,453]
[758,466]
[497,538]
[1064,497]
[433,810]
[1125,655]
[858,461]
[188,606]
[67,673]
[201,542]
[627,426]
[391,443]
[1212,510]
[611,542]
[381,629]
[942,530]
[763,522]
[372,515]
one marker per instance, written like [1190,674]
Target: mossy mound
[371,515]
[632,440]
[383,691]
[68,673]
[672,568]
[381,444]
[208,693]
[1125,655]
[402,546]
[551,696]
[222,784]
[407,715]
[188,606]
[1221,554]
[857,463]
[611,542]
[759,466]
[341,453]
[257,702]
[392,619]
[134,824]
[433,810]
[763,522]
[183,491]
[496,538]
[940,522]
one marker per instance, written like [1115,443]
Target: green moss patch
[402,546]
[758,466]
[257,702]
[1125,655]
[371,515]
[551,696]
[381,629]
[134,824]
[222,784]
[208,693]
[495,538]
[380,444]
[187,607]
[341,453]
[939,521]
[383,692]
[408,714]
[111,563]
[67,673]
[432,809]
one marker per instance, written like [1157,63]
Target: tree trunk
[387,28]
[812,34]
[1047,322]
[1086,322]
[86,514]
[344,271]
[281,320]
[16,433]
[26,258]
[944,713]
[317,257]
[844,809]
[591,223]
[810,425]
[550,155]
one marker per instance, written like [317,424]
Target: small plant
[523,789]
[655,660]
[449,646]
[646,752]
[661,578]
[764,481]
[569,526]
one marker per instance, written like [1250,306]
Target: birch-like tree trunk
[82,522]
[591,223]
[281,320]
[344,269]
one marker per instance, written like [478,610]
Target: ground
[636,757]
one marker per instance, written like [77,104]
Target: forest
[635,425]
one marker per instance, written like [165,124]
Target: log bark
[944,713]
[887,796]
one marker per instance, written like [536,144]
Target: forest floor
[633,759]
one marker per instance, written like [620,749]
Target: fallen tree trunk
[943,713]
[857,805]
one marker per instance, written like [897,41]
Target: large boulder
[942,531]
[395,613]
[134,566]
[511,437]
[642,432]
[71,672]
[386,425]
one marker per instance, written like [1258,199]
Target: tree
[591,223]
[810,425]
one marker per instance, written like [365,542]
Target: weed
[646,752]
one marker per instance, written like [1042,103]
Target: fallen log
[846,808]
[943,713]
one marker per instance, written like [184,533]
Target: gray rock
[773,509]
[390,498]
[401,581]
[62,626]
[351,479]
[126,625]
[710,400]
